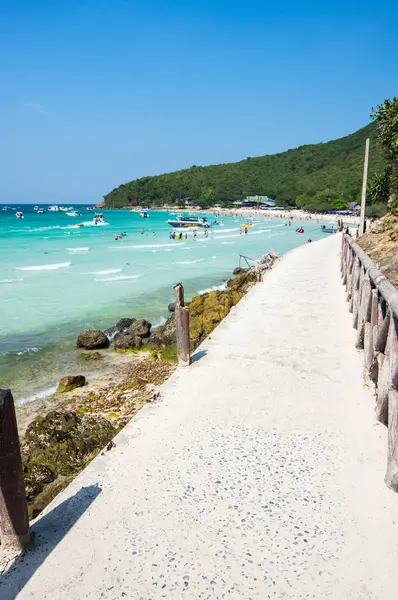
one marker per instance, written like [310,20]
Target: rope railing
[373,301]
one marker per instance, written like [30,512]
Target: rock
[111,332]
[92,340]
[239,271]
[171,307]
[164,335]
[70,382]
[36,476]
[124,323]
[206,312]
[87,356]
[140,328]
[64,442]
[120,326]
[127,340]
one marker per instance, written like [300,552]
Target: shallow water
[57,279]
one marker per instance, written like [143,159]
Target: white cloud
[36,108]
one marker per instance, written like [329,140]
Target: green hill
[310,176]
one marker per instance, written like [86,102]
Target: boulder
[164,335]
[120,326]
[140,328]
[171,307]
[63,443]
[92,340]
[127,340]
[239,271]
[36,476]
[124,323]
[70,382]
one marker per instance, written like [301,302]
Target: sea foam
[52,267]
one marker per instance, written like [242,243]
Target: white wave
[78,249]
[37,396]
[161,321]
[28,351]
[104,272]
[53,267]
[10,280]
[225,230]
[119,278]
[226,243]
[214,257]
[189,262]
[213,289]
[144,246]
[251,232]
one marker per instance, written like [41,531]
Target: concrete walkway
[258,475]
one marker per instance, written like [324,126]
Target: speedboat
[144,213]
[53,208]
[19,214]
[35,208]
[40,211]
[73,213]
[189,222]
[328,230]
[99,219]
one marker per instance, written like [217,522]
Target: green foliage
[311,176]
[386,185]
[376,211]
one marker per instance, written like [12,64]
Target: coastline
[60,434]
[294,213]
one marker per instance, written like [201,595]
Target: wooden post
[182,326]
[14,521]
[364,185]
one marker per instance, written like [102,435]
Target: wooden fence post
[14,520]
[182,326]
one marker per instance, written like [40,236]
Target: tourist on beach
[180,236]
[194,234]
[240,231]
[309,240]
[186,236]
[142,232]
[246,230]
[171,235]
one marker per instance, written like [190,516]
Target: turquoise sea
[58,278]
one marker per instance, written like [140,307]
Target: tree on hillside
[386,184]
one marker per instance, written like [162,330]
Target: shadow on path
[47,533]
[198,355]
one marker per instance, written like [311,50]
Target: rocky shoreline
[61,434]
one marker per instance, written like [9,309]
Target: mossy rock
[70,383]
[65,441]
[52,490]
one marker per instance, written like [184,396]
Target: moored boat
[53,208]
[19,214]
[328,229]
[189,222]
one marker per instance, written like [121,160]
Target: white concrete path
[258,475]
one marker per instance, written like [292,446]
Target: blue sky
[95,93]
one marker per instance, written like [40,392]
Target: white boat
[53,208]
[144,214]
[99,219]
[41,211]
[19,214]
[189,222]
[35,208]
[73,213]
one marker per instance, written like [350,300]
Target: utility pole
[364,185]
